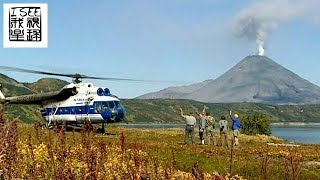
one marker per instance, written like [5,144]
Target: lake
[308,134]
[303,134]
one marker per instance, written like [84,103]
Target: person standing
[210,126]
[223,124]
[202,124]
[190,124]
[235,127]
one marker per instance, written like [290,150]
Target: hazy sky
[187,41]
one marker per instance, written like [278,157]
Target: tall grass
[35,152]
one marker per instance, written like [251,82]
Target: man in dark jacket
[202,124]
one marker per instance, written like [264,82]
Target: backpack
[210,121]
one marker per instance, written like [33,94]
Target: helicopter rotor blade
[124,79]
[79,76]
[110,78]
[61,74]
[33,71]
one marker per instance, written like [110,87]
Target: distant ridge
[254,79]
[46,85]
[157,110]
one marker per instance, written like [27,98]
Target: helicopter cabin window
[79,109]
[104,106]
[66,110]
[73,110]
[97,107]
[111,104]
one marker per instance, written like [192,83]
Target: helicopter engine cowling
[66,93]
[107,92]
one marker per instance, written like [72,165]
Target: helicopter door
[51,115]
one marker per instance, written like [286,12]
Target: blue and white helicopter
[74,103]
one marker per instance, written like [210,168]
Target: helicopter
[75,103]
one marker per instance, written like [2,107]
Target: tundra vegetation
[35,152]
[166,111]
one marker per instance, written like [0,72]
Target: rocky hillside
[255,79]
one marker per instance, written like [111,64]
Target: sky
[179,41]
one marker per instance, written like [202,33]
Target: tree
[257,123]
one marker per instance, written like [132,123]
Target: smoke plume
[254,22]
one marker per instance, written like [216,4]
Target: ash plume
[257,20]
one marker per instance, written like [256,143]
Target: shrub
[256,123]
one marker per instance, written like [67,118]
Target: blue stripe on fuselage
[87,109]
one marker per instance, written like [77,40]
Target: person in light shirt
[190,124]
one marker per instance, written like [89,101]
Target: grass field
[33,152]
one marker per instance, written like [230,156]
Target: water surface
[302,134]
[307,134]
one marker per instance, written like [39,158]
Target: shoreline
[295,124]
[271,124]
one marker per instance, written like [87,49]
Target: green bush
[256,123]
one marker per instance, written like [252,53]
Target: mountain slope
[26,113]
[11,87]
[175,92]
[163,111]
[167,110]
[255,79]
[46,85]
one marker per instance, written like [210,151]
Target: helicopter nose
[113,115]
[117,114]
[121,113]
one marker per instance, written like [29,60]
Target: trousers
[189,131]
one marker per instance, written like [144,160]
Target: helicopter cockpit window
[111,104]
[120,104]
[97,107]
[117,103]
[104,106]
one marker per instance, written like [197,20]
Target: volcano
[255,79]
